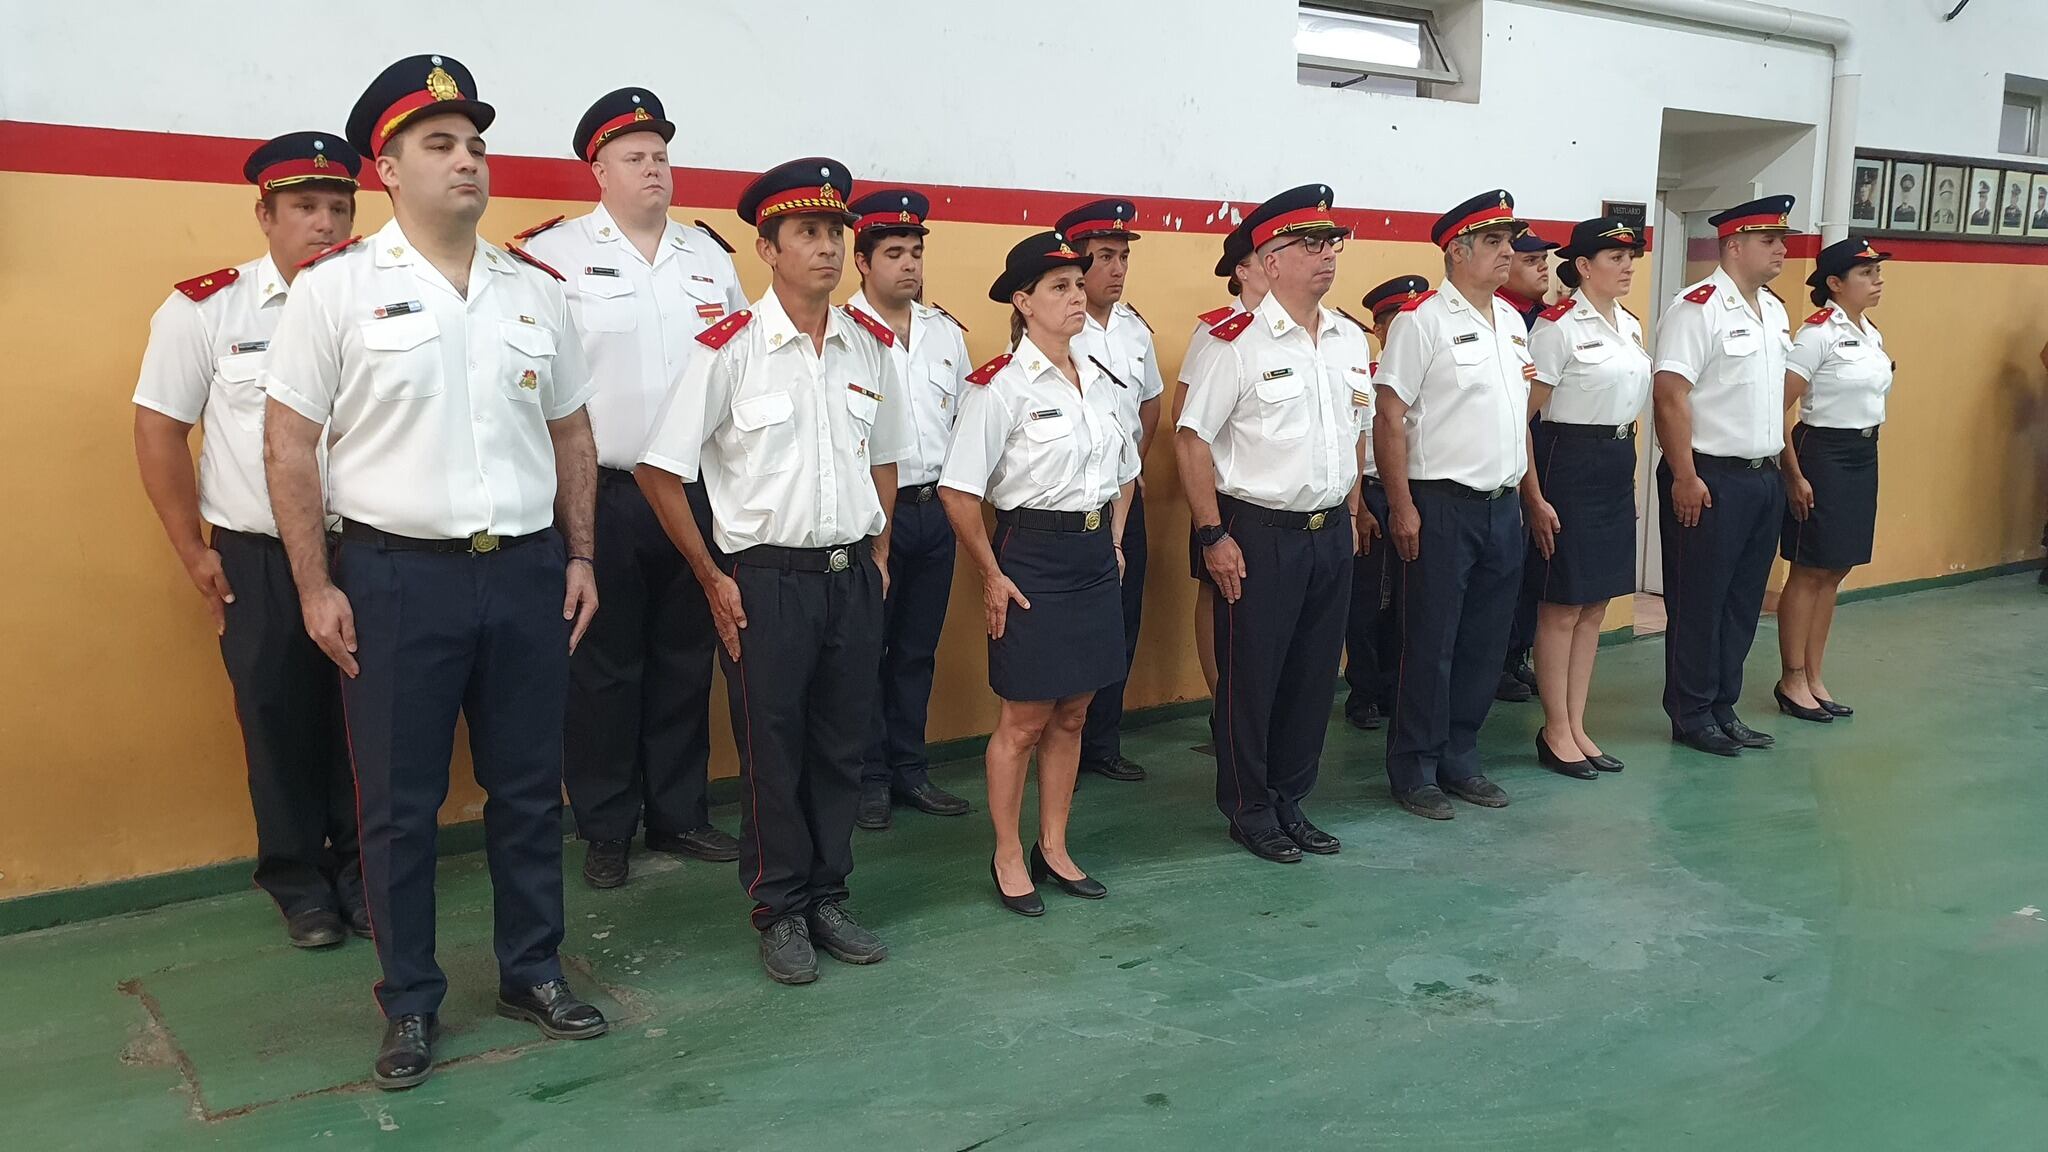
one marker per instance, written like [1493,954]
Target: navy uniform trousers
[638,731]
[1457,600]
[440,634]
[1101,734]
[1275,648]
[1714,577]
[1522,633]
[920,584]
[804,695]
[289,706]
[1372,640]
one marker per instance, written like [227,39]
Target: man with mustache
[641,287]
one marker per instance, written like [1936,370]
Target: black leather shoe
[1087,888]
[1028,904]
[554,1009]
[844,938]
[1521,669]
[706,843]
[874,811]
[1268,844]
[359,922]
[1799,711]
[1511,689]
[1428,802]
[316,928]
[1367,717]
[1580,769]
[1605,763]
[1121,768]
[1478,790]
[406,1057]
[1310,838]
[933,800]
[786,952]
[604,863]
[1709,739]
[1746,736]
[1834,709]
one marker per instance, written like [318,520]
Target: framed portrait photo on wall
[1980,202]
[2012,204]
[1945,198]
[1906,205]
[1869,192]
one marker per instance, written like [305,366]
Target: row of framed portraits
[1948,197]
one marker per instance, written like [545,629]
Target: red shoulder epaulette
[522,254]
[987,372]
[1215,316]
[324,253]
[949,316]
[713,233]
[880,331]
[1820,317]
[1699,295]
[1141,317]
[539,228]
[200,287]
[1232,328]
[1558,311]
[1417,302]
[716,335]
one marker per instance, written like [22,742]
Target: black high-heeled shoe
[1799,711]
[1086,887]
[1834,709]
[1028,904]
[1576,769]
[1605,763]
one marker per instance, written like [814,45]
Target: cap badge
[1066,251]
[319,159]
[903,216]
[827,192]
[641,113]
[442,85]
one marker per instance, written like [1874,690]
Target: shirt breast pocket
[1051,453]
[238,384]
[529,360]
[944,382]
[404,356]
[1470,360]
[766,428]
[1740,344]
[608,303]
[1592,366]
[862,404]
[1283,408]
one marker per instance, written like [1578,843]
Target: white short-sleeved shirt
[1599,373]
[1847,371]
[1125,348]
[1466,386]
[639,320]
[1029,439]
[783,434]
[1200,340]
[202,367]
[437,405]
[1282,414]
[1735,360]
[931,368]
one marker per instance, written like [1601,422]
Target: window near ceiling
[2019,118]
[1370,47]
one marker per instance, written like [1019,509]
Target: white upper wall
[1191,98]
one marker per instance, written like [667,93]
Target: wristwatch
[1209,535]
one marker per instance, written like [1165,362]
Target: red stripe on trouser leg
[362,869]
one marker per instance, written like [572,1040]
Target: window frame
[1423,18]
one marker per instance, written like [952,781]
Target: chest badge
[1467,338]
[529,380]
[710,312]
[1277,373]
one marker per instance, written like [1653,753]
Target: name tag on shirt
[248,346]
[1277,373]
[1738,332]
[875,396]
[1592,344]
[1852,344]
[402,308]
[700,279]
[1467,338]
[1046,413]
[600,271]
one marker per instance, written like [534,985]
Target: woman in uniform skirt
[1838,374]
[1592,379]
[1037,436]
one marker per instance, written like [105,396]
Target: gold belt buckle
[1315,521]
[836,560]
[483,542]
[1093,520]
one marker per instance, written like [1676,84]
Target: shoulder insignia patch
[716,335]
[987,372]
[1820,317]
[713,233]
[1559,310]
[539,228]
[949,316]
[344,246]
[1418,301]
[882,333]
[1215,316]
[1699,295]
[1232,328]
[522,254]
[200,287]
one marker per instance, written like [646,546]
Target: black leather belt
[1233,508]
[917,494]
[1869,433]
[617,476]
[1046,520]
[1752,464]
[476,544]
[1372,482]
[1453,488]
[1592,431]
[835,559]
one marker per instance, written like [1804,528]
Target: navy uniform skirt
[1071,639]
[1589,475]
[1841,464]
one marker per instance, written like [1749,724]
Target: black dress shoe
[786,952]
[874,811]
[1746,736]
[844,938]
[1524,671]
[1367,718]
[933,800]
[1511,689]
[1312,839]
[1428,802]
[705,843]
[604,863]
[1834,709]
[1605,763]
[315,928]
[1087,888]
[554,1009]
[1709,739]
[1268,844]
[1028,904]
[1799,711]
[359,922]
[1580,769]
[1121,768]
[406,1057]
[1478,790]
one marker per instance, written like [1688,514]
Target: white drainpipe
[1773,22]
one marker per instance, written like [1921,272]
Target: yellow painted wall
[119,754]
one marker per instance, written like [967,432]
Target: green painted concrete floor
[1836,945]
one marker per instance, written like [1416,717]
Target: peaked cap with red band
[1112,219]
[892,210]
[303,158]
[813,184]
[1590,237]
[1032,257]
[1394,293]
[1770,214]
[1839,258]
[1493,209]
[414,89]
[1297,210]
[619,113]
